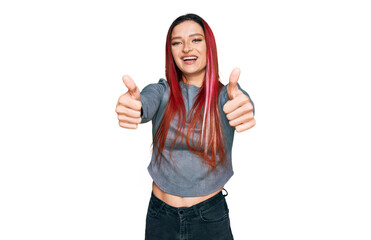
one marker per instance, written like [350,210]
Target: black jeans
[206,220]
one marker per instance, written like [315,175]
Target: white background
[68,171]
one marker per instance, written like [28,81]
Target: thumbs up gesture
[128,107]
[238,108]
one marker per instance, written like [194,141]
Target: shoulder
[161,86]
[163,82]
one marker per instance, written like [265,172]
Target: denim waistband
[195,209]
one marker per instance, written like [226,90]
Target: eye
[175,43]
[196,40]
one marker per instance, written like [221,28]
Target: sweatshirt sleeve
[151,97]
[224,96]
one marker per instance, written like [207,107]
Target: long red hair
[205,110]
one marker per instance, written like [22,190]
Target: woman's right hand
[129,106]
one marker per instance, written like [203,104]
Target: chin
[191,71]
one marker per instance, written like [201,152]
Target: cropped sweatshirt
[185,174]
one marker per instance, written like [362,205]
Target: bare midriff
[177,201]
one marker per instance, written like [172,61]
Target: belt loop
[161,206]
[195,210]
[225,191]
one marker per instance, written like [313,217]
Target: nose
[186,47]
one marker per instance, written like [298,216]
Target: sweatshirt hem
[188,194]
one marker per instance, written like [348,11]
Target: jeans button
[181,212]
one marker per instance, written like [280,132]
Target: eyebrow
[194,34]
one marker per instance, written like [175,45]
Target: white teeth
[189,58]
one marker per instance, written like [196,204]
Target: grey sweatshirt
[185,174]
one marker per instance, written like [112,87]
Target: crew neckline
[186,84]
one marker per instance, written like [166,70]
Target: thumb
[232,88]
[130,84]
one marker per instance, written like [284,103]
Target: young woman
[194,117]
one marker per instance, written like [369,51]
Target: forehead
[186,28]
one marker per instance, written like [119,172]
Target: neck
[196,80]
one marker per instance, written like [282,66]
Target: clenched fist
[129,106]
[238,109]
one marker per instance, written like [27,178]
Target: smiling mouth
[189,59]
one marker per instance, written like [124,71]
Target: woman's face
[188,47]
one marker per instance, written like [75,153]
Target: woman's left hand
[238,109]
